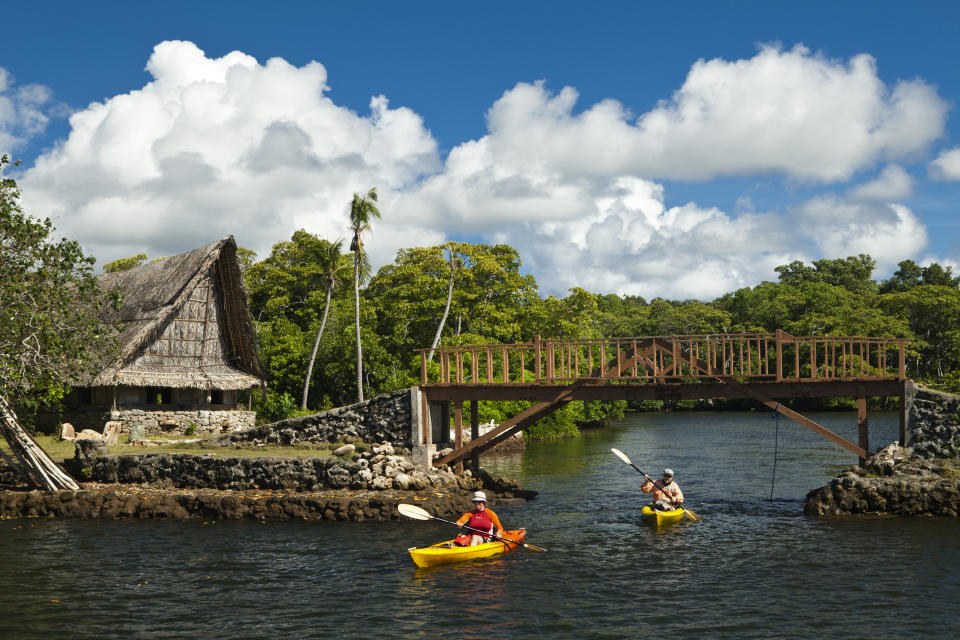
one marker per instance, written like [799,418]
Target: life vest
[479,520]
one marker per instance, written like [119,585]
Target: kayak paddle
[415,512]
[623,456]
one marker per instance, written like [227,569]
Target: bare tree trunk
[356,311]
[313,354]
[446,310]
[35,465]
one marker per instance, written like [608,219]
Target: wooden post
[903,413]
[536,357]
[458,431]
[862,423]
[423,368]
[474,434]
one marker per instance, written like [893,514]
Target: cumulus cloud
[893,183]
[947,165]
[24,112]
[217,146]
[792,112]
[213,146]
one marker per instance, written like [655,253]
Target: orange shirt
[465,518]
[663,492]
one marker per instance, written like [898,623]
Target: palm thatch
[184,324]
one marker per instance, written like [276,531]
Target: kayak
[662,517]
[446,552]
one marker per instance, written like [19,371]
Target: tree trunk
[356,313]
[446,310]
[313,354]
[35,465]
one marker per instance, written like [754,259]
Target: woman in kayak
[480,518]
[666,494]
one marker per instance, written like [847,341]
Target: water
[751,568]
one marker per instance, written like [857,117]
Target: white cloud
[791,112]
[24,112]
[947,165]
[894,183]
[217,146]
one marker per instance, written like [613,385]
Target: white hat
[479,496]
[668,472]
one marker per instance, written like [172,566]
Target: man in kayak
[480,518]
[666,494]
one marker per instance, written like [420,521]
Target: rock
[67,432]
[345,450]
[111,433]
[137,433]
[89,434]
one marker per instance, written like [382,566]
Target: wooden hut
[187,346]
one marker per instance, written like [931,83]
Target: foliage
[50,332]
[123,264]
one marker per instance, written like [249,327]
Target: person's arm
[647,486]
[678,496]
[496,522]
[462,520]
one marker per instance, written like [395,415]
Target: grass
[58,449]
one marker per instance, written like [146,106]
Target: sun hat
[479,496]
[668,472]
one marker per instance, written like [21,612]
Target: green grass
[58,449]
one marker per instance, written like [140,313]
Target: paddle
[415,512]
[623,456]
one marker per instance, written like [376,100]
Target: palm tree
[331,264]
[455,263]
[362,210]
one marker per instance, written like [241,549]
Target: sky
[679,150]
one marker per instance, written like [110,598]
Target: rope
[776,438]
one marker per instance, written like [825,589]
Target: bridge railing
[661,359]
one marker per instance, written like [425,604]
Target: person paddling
[481,519]
[666,494]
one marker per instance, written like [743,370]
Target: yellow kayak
[662,517]
[446,552]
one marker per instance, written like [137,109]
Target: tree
[454,263]
[332,265]
[50,332]
[910,275]
[362,210]
[852,273]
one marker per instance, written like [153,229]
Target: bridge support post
[862,429]
[474,434]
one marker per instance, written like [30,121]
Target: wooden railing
[661,359]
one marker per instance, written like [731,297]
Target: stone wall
[156,422]
[378,469]
[933,423]
[385,419]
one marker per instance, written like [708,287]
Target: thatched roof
[184,323]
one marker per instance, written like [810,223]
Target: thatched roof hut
[184,324]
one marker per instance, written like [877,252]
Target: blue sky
[629,147]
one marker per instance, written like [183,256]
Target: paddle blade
[413,511]
[533,547]
[621,455]
[691,515]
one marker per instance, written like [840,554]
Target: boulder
[67,432]
[89,434]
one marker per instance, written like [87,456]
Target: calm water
[752,568]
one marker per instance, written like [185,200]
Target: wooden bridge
[765,367]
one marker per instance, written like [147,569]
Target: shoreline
[134,502]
